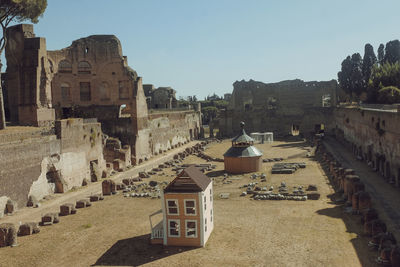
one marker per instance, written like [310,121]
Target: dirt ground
[115,232]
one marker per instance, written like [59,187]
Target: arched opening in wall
[84,67]
[94,170]
[104,91]
[247,107]
[319,128]
[377,163]
[54,180]
[124,111]
[398,177]
[65,92]
[64,66]
[66,113]
[360,155]
[326,100]
[85,93]
[51,66]
[191,134]
[387,171]
[369,154]
[295,130]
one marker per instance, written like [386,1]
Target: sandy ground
[115,232]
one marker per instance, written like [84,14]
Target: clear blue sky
[202,47]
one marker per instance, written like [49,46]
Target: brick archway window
[64,66]
[84,67]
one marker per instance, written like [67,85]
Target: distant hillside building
[281,108]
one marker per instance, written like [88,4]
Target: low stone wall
[44,165]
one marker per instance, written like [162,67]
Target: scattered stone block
[32,202]
[50,218]
[8,235]
[97,197]
[11,206]
[153,183]
[224,195]
[143,175]
[395,256]
[83,203]
[312,187]
[120,186]
[28,229]
[364,201]
[67,209]
[85,182]
[313,195]
[108,187]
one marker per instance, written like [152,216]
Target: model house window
[172,207]
[84,67]
[211,196]
[205,203]
[173,228]
[205,225]
[190,207]
[211,218]
[191,229]
[85,91]
[65,92]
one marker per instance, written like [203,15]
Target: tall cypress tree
[392,51]
[381,54]
[369,60]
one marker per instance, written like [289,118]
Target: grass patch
[86,226]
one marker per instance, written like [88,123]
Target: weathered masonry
[91,79]
[374,136]
[88,115]
[287,107]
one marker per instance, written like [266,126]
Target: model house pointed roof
[190,179]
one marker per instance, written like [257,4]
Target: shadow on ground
[353,225]
[136,251]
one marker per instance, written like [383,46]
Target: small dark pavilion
[243,156]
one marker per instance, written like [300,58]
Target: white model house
[187,208]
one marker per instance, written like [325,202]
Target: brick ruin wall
[276,107]
[168,129]
[37,165]
[373,136]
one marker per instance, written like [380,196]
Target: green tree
[356,77]
[383,76]
[369,60]
[389,95]
[16,11]
[351,78]
[344,75]
[381,53]
[392,51]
